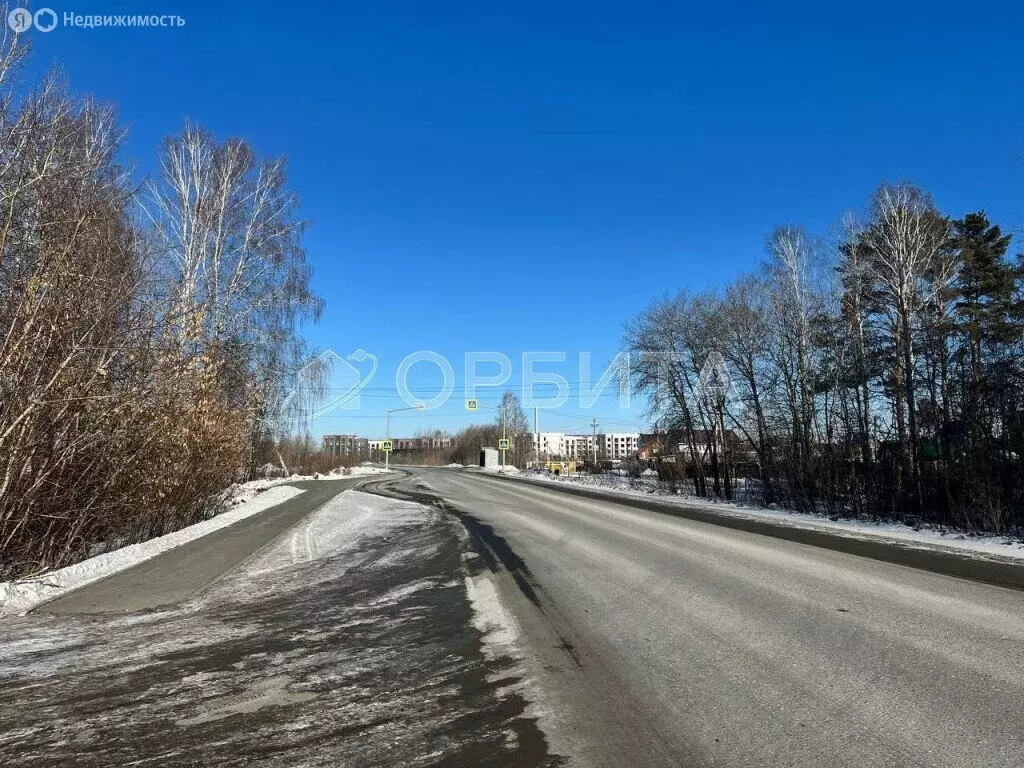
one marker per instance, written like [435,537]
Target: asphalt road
[180,573]
[673,642]
[345,641]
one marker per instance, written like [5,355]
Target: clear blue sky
[526,176]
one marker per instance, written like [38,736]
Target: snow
[19,597]
[926,537]
[242,499]
[507,469]
[503,639]
[246,491]
[348,613]
[363,471]
[499,629]
[337,527]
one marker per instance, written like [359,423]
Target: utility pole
[594,448]
[536,436]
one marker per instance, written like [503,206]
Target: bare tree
[135,365]
[906,236]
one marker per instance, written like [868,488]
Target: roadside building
[489,457]
[413,443]
[550,444]
[345,445]
[617,445]
[579,447]
[651,445]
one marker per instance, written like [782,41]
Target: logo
[46,19]
[328,383]
[20,20]
[345,380]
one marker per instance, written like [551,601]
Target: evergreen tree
[986,284]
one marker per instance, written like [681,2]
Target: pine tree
[985,287]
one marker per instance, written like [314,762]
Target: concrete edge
[987,569]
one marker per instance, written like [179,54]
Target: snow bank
[241,499]
[925,537]
[508,469]
[242,492]
[364,470]
[19,597]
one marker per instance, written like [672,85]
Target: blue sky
[514,177]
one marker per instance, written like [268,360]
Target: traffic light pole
[387,454]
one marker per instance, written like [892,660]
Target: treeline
[509,421]
[881,375]
[147,331]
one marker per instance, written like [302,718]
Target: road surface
[179,573]
[672,642]
[338,636]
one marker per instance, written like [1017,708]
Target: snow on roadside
[19,597]
[503,639]
[340,525]
[240,500]
[240,493]
[499,630]
[507,469]
[926,537]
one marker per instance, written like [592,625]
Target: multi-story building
[434,443]
[617,445]
[609,446]
[345,445]
[550,444]
[579,446]
[413,443]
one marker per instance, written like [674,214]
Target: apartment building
[579,446]
[413,443]
[551,444]
[610,446]
[618,445]
[345,445]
